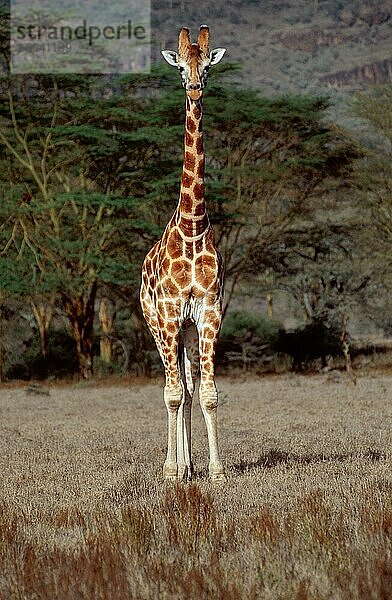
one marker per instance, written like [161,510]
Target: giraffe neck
[193,218]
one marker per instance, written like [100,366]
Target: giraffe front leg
[173,396]
[208,396]
[184,462]
[209,404]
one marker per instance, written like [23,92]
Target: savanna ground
[306,511]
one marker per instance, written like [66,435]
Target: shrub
[61,359]
[246,340]
[313,342]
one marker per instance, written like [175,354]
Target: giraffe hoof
[218,477]
[170,472]
[185,473]
[182,473]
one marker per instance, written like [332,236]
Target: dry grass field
[306,512]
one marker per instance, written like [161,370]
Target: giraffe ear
[216,55]
[170,57]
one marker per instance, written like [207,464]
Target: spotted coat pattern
[181,297]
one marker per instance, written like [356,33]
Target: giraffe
[182,280]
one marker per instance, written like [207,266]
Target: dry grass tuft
[190,519]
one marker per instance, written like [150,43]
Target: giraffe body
[182,283]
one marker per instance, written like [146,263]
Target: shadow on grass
[275,457]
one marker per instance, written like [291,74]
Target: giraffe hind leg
[189,372]
[190,339]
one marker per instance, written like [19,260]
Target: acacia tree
[270,162]
[12,284]
[321,268]
[92,173]
[70,218]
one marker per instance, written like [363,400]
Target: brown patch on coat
[198,292]
[170,288]
[171,310]
[175,245]
[190,125]
[186,226]
[181,271]
[200,168]
[171,327]
[199,145]
[199,246]
[205,268]
[186,202]
[206,346]
[212,319]
[186,180]
[159,291]
[210,240]
[189,250]
[165,264]
[209,333]
[189,161]
[198,191]
[197,111]
[189,139]
[199,209]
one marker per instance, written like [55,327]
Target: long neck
[192,209]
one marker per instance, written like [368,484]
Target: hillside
[291,46]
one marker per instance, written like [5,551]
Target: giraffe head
[194,60]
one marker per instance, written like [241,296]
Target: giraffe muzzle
[194,86]
[194,91]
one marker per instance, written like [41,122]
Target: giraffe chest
[184,278]
[194,275]
[186,267]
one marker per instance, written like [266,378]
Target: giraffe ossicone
[182,280]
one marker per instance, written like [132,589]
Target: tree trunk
[80,312]
[345,340]
[43,313]
[270,307]
[107,317]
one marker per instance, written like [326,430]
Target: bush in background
[60,362]
[246,341]
[305,346]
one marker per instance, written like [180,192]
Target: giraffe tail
[190,356]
